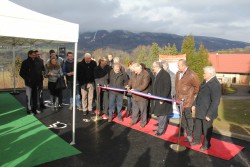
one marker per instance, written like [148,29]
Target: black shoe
[127,114]
[157,124]
[158,134]
[42,106]
[85,113]
[177,134]
[188,139]
[155,130]
[29,112]
[194,143]
[203,148]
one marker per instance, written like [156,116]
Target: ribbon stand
[98,106]
[177,147]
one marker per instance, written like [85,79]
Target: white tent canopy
[22,26]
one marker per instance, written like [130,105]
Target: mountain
[127,41]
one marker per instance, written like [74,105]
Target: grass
[229,90]
[234,116]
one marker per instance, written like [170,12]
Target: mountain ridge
[127,40]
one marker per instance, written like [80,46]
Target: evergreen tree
[174,50]
[188,48]
[153,55]
[201,61]
[142,55]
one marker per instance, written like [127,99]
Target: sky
[228,19]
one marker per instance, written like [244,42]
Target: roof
[230,63]
[172,58]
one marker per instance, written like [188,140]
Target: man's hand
[193,108]
[207,119]
[161,102]
[127,87]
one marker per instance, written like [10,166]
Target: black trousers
[206,127]
[163,124]
[40,94]
[187,121]
[102,101]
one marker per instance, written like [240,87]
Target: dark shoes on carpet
[130,124]
[120,119]
[188,139]
[204,148]
[157,124]
[128,114]
[193,143]
[158,134]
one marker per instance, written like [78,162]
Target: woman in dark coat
[161,87]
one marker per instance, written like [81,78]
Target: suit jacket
[187,87]
[161,87]
[208,99]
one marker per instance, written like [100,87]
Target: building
[172,61]
[230,68]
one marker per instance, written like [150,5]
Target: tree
[188,48]
[174,50]
[153,55]
[201,61]
[166,50]
[97,54]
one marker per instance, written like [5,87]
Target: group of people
[203,100]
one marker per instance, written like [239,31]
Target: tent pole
[74,97]
[14,92]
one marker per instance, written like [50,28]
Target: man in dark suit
[161,87]
[206,108]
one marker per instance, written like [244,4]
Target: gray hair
[116,60]
[210,70]
[135,66]
[87,55]
[117,65]
[158,64]
[165,65]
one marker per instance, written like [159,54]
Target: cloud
[227,19]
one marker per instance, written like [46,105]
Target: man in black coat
[85,76]
[31,72]
[101,74]
[40,88]
[161,87]
[206,108]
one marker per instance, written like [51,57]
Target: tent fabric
[22,26]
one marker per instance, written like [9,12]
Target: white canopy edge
[22,26]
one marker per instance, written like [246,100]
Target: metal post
[177,147]
[74,98]
[14,92]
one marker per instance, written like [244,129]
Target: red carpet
[219,148]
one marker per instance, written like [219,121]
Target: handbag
[60,83]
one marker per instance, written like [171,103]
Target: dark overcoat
[208,99]
[161,87]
